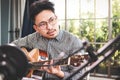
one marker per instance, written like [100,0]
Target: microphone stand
[106,51]
[93,66]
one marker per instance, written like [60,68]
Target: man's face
[46,24]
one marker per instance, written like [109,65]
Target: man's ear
[35,28]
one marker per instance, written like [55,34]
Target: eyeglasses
[43,24]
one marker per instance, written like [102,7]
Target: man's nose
[49,26]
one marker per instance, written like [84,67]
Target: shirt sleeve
[76,46]
[27,41]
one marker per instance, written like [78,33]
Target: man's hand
[56,70]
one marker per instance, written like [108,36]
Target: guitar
[37,56]
[34,55]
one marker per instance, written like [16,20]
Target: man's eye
[51,20]
[42,24]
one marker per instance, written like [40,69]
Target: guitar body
[34,55]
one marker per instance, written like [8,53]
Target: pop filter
[13,63]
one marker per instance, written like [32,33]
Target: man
[48,37]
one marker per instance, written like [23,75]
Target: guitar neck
[73,60]
[37,65]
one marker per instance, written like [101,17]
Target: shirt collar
[59,36]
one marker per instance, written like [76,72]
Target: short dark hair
[39,6]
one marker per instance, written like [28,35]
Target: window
[97,20]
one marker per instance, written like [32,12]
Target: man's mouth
[51,32]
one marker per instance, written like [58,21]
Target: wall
[0,22]
[4,21]
[11,17]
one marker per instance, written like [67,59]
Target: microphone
[13,63]
[91,53]
[90,49]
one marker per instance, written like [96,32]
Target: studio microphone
[13,63]
[91,53]
[90,50]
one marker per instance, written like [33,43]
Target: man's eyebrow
[42,21]
[48,19]
[52,17]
